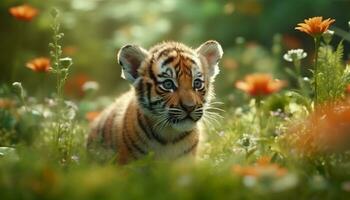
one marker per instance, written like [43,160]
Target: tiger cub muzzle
[185,112]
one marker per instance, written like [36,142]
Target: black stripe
[100,127]
[108,120]
[181,137]
[160,91]
[168,60]
[192,61]
[164,52]
[141,93]
[191,147]
[149,85]
[142,125]
[158,138]
[126,143]
[150,71]
[138,132]
[150,133]
[140,88]
[133,143]
[154,103]
[177,69]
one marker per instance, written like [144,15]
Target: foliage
[258,149]
[334,77]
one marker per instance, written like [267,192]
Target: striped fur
[162,112]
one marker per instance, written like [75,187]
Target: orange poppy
[74,85]
[23,12]
[315,26]
[262,166]
[260,84]
[41,64]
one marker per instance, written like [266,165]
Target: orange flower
[23,12]
[69,50]
[348,89]
[291,42]
[263,166]
[6,103]
[324,130]
[315,26]
[90,116]
[260,84]
[41,64]
[230,63]
[74,85]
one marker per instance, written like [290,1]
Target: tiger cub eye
[168,85]
[197,84]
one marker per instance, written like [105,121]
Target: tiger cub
[162,112]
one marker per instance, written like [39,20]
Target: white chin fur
[185,125]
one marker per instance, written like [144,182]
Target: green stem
[258,112]
[18,46]
[317,41]
[297,65]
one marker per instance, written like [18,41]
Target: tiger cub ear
[212,51]
[130,58]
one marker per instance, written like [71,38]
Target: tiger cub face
[173,82]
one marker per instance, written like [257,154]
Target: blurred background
[254,34]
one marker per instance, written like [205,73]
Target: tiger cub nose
[188,108]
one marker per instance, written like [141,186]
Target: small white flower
[294,54]
[90,86]
[328,32]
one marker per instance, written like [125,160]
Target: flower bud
[327,36]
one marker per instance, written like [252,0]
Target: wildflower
[346,186]
[41,64]
[294,55]
[230,63]
[262,167]
[90,86]
[348,89]
[291,42]
[18,89]
[260,84]
[69,50]
[90,116]
[250,8]
[74,85]
[324,130]
[23,12]
[6,103]
[229,8]
[315,26]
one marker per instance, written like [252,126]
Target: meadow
[282,129]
